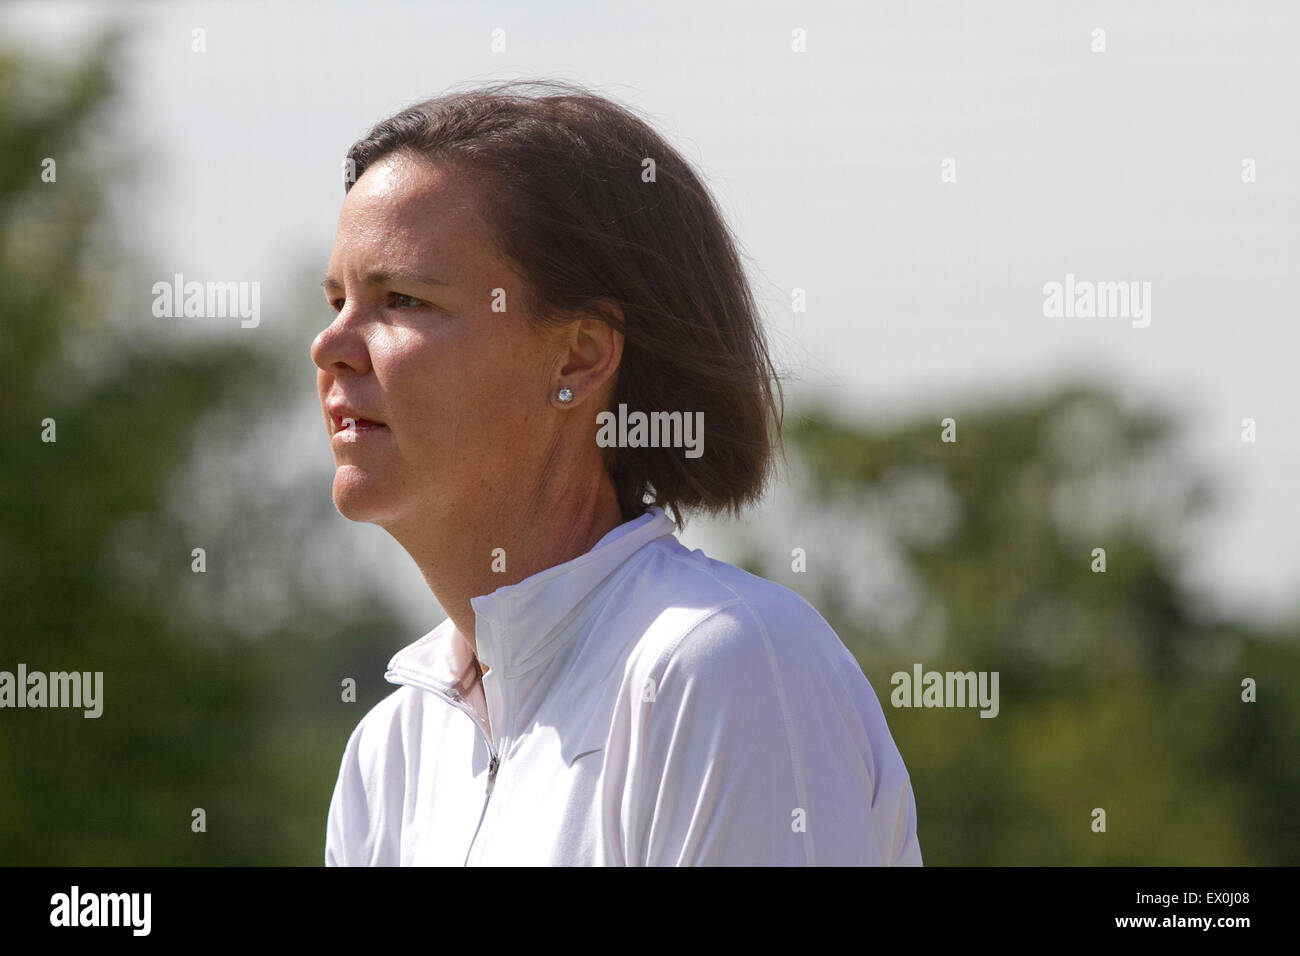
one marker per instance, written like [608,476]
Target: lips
[346,418]
[347,421]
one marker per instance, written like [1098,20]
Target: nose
[340,348]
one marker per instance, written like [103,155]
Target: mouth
[348,427]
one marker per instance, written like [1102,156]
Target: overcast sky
[1122,165]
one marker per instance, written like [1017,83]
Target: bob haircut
[563,179]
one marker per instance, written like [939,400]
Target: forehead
[408,212]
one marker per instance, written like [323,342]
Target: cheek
[465,404]
[418,383]
[509,394]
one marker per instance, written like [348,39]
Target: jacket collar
[521,626]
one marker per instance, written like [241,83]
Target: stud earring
[566,395]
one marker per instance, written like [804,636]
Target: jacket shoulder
[747,665]
[714,610]
[380,728]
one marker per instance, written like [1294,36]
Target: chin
[358,496]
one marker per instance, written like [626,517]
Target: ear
[590,352]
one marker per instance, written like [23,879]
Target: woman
[539,312]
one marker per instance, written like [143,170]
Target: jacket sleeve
[762,750]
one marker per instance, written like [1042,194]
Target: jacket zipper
[487,797]
[494,761]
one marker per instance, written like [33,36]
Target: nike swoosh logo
[587,753]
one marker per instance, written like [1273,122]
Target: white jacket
[644,705]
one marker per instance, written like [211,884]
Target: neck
[459,557]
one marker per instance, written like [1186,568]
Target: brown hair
[564,193]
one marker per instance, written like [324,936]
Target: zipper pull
[492,773]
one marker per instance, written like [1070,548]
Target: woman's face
[436,404]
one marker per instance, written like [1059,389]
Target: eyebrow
[379,276]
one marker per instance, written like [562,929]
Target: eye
[397,300]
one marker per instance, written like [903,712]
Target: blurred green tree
[95,558]
[1116,690]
